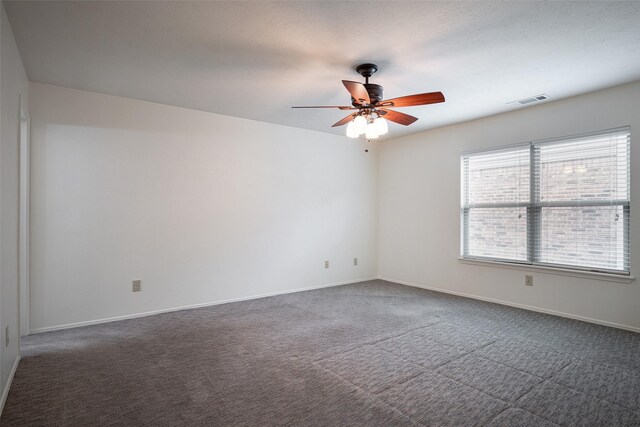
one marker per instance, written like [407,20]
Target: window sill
[551,270]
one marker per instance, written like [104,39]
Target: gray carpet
[373,353]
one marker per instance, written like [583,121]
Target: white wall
[200,207]
[13,88]
[419,207]
[204,208]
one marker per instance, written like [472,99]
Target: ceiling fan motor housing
[374,91]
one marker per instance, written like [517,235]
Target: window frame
[534,209]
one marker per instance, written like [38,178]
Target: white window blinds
[561,203]
[496,193]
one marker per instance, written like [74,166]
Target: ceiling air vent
[530,100]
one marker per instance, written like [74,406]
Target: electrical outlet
[355,261]
[6,336]
[326,264]
[137,285]
[528,280]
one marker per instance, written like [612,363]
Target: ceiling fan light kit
[373,112]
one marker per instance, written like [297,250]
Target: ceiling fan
[372,112]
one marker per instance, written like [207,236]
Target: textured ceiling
[256,59]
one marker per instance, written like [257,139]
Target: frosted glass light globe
[381,126]
[360,124]
[351,130]
[371,132]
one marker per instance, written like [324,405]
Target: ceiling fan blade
[340,107]
[357,91]
[344,121]
[397,117]
[412,100]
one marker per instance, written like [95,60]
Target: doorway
[23,219]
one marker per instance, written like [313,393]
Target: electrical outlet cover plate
[326,264]
[528,280]
[137,285]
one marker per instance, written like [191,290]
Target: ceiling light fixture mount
[373,112]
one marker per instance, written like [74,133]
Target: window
[560,203]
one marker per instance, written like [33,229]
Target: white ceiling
[256,59]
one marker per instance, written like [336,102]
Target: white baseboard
[7,386]
[513,304]
[187,307]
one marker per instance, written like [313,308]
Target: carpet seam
[509,404]
[385,388]
[372,342]
[498,414]
[577,391]
[542,379]
[512,367]
[551,380]
[480,390]
[430,367]
[371,395]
